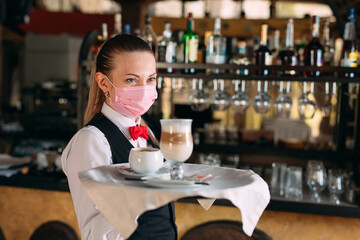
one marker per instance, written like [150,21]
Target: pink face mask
[133,102]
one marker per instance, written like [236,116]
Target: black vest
[158,224]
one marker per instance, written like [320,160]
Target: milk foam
[177,152]
[175,127]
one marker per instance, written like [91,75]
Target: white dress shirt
[87,149]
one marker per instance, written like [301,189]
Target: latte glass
[176,144]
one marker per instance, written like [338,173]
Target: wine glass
[176,144]
[240,100]
[262,101]
[200,99]
[307,107]
[326,107]
[283,103]
[336,185]
[316,178]
[221,100]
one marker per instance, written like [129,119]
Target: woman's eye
[131,80]
[152,79]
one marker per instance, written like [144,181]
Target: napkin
[122,201]
[206,203]
[9,172]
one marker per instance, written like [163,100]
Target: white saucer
[129,173]
[165,183]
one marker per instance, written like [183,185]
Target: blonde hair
[104,63]
[96,97]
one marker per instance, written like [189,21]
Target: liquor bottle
[166,47]
[240,58]
[314,51]
[201,50]
[191,43]
[101,38]
[216,45]
[275,46]
[149,36]
[178,38]
[300,48]
[328,46]
[117,25]
[262,55]
[288,56]
[349,53]
[127,29]
[207,8]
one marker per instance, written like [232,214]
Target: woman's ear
[102,82]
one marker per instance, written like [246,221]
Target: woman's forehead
[135,61]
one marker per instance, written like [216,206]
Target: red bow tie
[137,132]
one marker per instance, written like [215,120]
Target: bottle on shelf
[300,48]
[178,38]
[349,56]
[101,38]
[262,55]
[191,42]
[127,29]
[137,32]
[201,50]
[149,36]
[240,57]
[166,47]
[207,8]
[216,45]
[288,56]
[117,25]
[349,53]
[314,50]
[326,41]
[275,46]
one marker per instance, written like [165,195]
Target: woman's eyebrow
[132,74]
[152,74]
[135,75]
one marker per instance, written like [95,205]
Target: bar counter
[38,197]
[57,182]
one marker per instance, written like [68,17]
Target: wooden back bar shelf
[327,74]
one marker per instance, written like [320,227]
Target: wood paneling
[278,225]
[22,210]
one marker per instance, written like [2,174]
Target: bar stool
[224,230]
[2,237]
[54,230]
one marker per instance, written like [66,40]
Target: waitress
[123,88]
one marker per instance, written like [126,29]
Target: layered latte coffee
[176,145]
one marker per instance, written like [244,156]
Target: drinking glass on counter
[278,175]
[316,178]
[211,159]
[210,131]
[176,144]
[336,185]
[293,184]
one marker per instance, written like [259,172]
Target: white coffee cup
[146,160]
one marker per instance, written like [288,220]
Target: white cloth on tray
[123,201]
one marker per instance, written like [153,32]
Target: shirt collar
[120,120]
